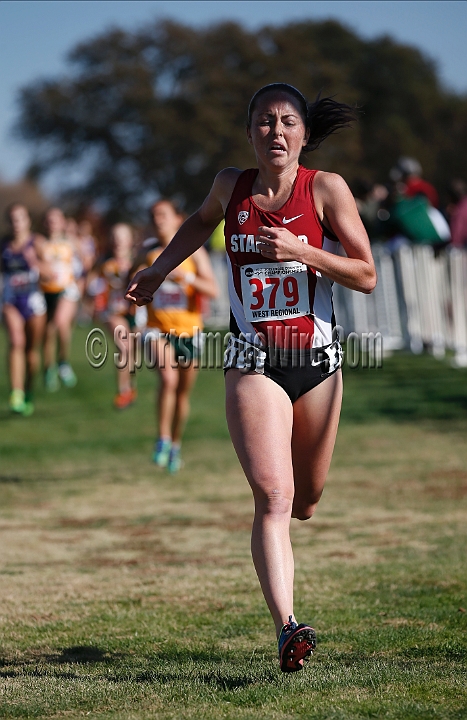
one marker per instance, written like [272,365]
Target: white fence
[420,301]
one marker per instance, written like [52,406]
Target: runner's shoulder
[329,184]
[213,209]
[228,175]
[224,183]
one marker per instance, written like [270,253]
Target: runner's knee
[273,503]
[63,325]
[17,341]
[169,379]
[306,509]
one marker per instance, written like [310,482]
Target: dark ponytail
[323,117]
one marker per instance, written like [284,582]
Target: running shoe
[28,404]
[67,375]
[125,399]
[52,383]
[16,401]
[296,644]
[175,461]
[161,452]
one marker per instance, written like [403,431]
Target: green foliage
[162,110]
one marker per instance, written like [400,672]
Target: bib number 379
[275,291]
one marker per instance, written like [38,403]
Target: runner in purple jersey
[23,307]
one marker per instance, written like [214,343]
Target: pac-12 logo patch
[243,216]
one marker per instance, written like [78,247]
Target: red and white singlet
[286,304]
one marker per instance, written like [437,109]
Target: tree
[162,110]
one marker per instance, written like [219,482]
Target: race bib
[275,291]
[170,296]
[22,279]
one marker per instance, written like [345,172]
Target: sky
[36,36]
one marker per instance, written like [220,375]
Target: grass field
[129,594]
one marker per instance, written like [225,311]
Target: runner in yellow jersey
[62,296]
[175,321]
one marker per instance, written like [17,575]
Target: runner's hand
[143,286]
[279,244]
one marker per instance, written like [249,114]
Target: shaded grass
[125,593]
[407,388]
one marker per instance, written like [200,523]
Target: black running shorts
[296,371]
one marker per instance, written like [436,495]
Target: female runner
[24,309]
[283,382]
[62,296]
[175,320]
[107,287]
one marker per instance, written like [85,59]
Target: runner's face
[55,222]
[20,221]
[122,240]
[166,221]
[277,130]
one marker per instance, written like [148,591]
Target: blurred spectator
[457,211]
[413,211]
[419,222]
[369,199]
[409,172]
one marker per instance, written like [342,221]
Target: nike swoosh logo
[286,222]
[314,364]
